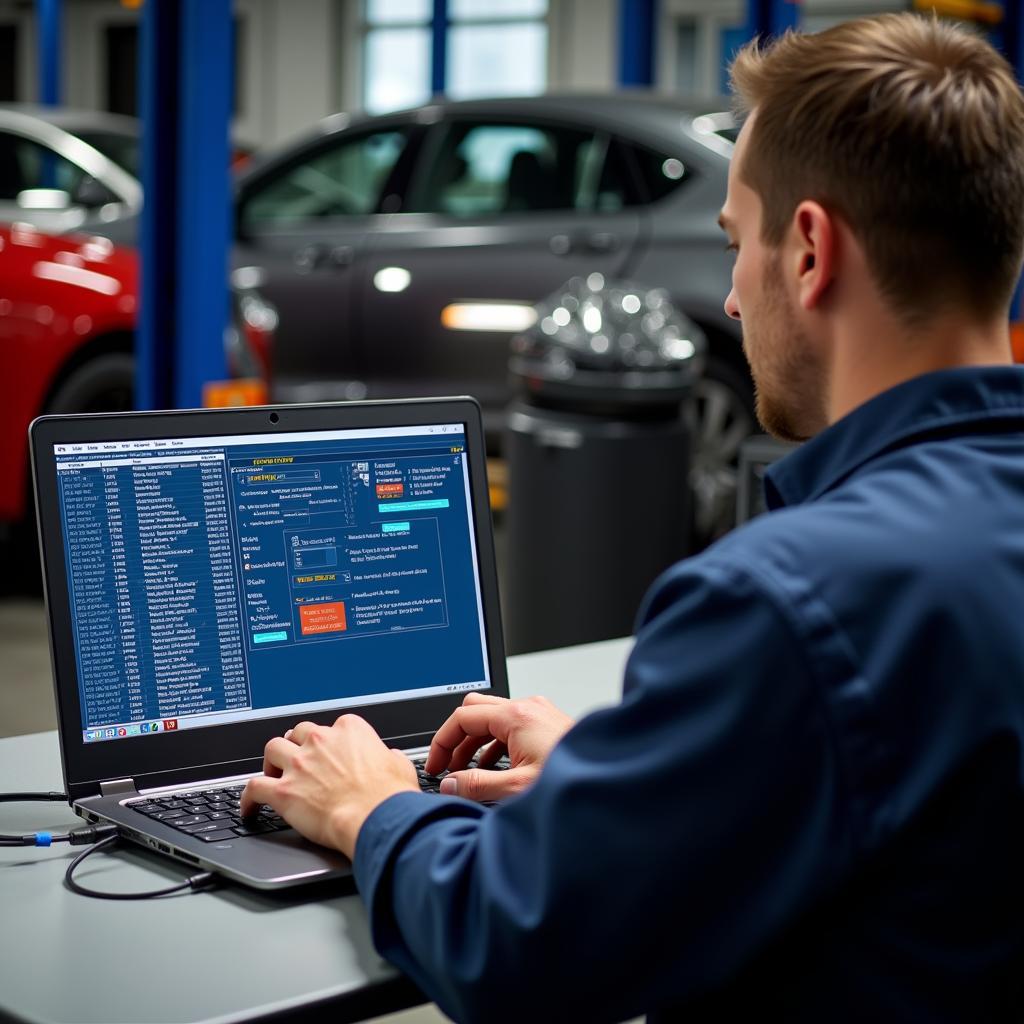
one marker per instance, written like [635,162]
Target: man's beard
[789,383]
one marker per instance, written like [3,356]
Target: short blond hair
[912,130]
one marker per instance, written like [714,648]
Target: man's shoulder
[801,541]
[844,556]
[881,524]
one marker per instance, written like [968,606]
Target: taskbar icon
[117,732]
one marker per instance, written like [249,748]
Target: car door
[300,228]
[499,214]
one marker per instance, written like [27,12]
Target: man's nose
[732,306]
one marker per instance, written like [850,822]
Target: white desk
[227,955]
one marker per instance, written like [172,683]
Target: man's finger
[484,719]
[279,753]
[483,698]
[441,758]
[466,751]
[479,784]
[275,757]
[300,733]
[258,790]
[350,721]
[491,754]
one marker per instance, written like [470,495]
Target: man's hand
[526,729]
[324,781]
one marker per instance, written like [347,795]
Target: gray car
[402,251]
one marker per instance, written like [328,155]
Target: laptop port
[164,847]
[188,857]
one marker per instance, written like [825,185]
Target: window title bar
[172,443]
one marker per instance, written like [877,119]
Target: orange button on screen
[322,618]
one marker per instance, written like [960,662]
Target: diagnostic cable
[103,836]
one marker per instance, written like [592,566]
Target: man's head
[882,161]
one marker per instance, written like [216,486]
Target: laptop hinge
[117,787]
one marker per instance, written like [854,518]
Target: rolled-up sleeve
[666,841]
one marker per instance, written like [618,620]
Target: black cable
[35,838]
[104,836]
[76,837]
[30,798]
[199,881]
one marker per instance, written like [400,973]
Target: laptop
[213,577]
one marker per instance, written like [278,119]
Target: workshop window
[497,48]
[396,54]
[494,48]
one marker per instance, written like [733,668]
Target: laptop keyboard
[212,815]
[432,783]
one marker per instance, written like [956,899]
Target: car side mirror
[92,194]
[43,199]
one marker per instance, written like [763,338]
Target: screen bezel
[237,748]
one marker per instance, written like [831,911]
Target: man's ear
[815,242]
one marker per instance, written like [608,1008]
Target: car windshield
[123,149]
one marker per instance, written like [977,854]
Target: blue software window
[223,578]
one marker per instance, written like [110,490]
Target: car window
[661,174]
[609,181]
[123,149]
[24,164]
[343,180]
[486,169]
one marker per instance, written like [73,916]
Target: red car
[67,321]
[67,317]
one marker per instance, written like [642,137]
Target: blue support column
[158,108]
[765,18]
[204,195]
[185,231]
[439,48]
[772,17]
[48,18]
[637,19]
[1013,34]
[1011,41]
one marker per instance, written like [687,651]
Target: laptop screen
[224,579]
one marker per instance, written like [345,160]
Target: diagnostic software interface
[219,579]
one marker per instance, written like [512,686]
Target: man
[809,805]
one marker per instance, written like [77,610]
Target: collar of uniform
[920,406]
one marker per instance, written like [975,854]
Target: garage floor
[26,689]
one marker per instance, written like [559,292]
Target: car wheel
[722,419]
[103,384]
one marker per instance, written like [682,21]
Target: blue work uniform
[809,805]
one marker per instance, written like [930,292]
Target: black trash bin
[598,452]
